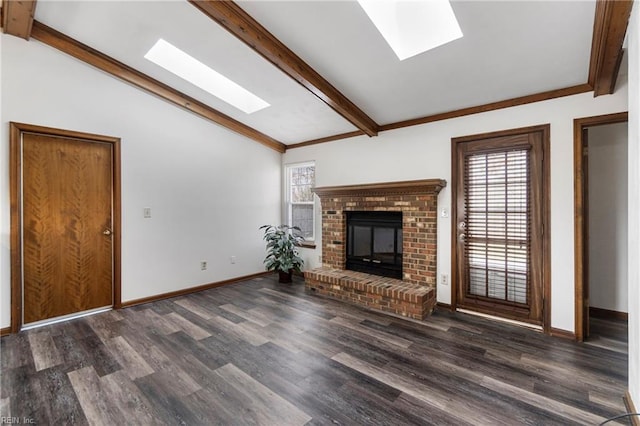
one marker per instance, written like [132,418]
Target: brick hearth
[371,291]
[418,202]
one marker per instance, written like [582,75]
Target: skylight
[412,27]
[195,72]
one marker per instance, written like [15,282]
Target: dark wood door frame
[15,182]
[580,246]
[546,214]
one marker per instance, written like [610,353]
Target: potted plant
[282,255]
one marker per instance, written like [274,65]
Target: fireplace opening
[374,243]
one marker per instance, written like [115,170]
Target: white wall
[423,152]
[608,217]
[633,34]
[209,189]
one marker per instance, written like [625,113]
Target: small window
[300,210]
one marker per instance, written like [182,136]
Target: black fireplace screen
[374,243]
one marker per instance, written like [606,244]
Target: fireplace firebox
[374,243]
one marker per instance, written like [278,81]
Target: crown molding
[508,103]
[326,139]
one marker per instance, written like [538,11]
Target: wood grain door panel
[67,222]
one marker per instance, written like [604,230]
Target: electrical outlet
[203,265]
[232,259]
[444,279]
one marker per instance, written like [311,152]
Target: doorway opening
[600,167]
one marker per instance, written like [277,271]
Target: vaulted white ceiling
[509,49]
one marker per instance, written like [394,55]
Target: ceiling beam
[235,20]
[17,17]
[609,28]
[117,69]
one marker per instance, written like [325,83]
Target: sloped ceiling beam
[609,28]
[235,20]
[17,17]
[117,69]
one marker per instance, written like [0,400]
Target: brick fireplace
[418,202]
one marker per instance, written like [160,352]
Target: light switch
[147,212]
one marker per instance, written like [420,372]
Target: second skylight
[412,27]
[195,72]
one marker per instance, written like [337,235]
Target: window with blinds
[300,180]
[497,240]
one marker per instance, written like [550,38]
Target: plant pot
[284,277]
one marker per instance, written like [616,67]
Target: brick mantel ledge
[387,188]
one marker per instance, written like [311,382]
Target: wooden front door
[67,223]
[499,218]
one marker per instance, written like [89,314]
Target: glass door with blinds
[499,247]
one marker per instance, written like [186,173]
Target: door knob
[107,231]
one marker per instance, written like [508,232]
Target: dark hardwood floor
[611,334]
[264,353]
